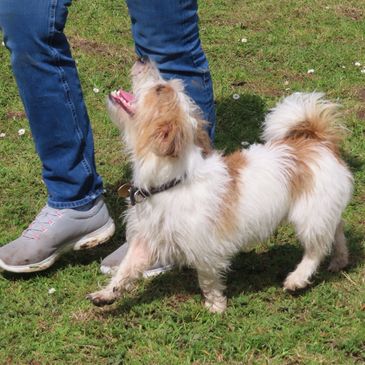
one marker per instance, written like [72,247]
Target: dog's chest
[175,215]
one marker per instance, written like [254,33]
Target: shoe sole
[90,240]
[107,270]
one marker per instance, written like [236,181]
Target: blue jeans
[49,86]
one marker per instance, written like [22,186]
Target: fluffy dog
[196,207]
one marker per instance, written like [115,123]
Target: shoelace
[41,223]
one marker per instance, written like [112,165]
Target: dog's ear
[169,135]
[163,129]
[169,138]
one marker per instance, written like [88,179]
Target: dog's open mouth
[124,99]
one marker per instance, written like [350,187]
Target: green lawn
[163,321]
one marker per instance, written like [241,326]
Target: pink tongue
[125,95]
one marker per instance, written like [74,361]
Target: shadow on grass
[250,273]
[239,121]
[354,162]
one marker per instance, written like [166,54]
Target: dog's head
[157,118]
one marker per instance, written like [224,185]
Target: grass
[163,321]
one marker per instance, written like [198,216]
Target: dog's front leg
[136,261]
[212,288]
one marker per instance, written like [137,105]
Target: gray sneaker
[54,232]
[110,264]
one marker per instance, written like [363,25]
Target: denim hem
[77,203]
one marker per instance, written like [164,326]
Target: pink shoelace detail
[42,222]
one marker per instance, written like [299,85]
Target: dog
[196,207]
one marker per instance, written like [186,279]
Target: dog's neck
[154,171]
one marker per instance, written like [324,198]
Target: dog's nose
[143,59]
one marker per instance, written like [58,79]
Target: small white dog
[193,206]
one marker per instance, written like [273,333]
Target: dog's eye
[159,88]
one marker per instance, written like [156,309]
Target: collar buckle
[136,195]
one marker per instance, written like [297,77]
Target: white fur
[295,109]
[180,224]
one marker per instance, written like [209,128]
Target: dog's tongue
[125,95]
[124,99]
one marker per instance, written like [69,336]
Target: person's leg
[49,86]
[50,90]
[167,32]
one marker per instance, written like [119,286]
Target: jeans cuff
[77,203]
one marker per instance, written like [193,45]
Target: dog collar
[137,195]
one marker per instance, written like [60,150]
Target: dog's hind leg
[317,242]
[136,261]
[340,254]
[212,287]
[300,277]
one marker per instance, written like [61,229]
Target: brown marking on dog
[227,221]
[304,153]
[324,127]
[161,126]
[318,131]
[201,138]
[305,138]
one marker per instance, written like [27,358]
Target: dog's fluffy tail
[304,115]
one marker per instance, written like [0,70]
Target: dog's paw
[295,282]
[219,305]
[337,264]
[102,297]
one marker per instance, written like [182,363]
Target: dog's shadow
[250,272]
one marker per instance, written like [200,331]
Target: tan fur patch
[305,143]
[303,131]
[161,126]
[202,139]
[227,221]
[324,129]
[304,153]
